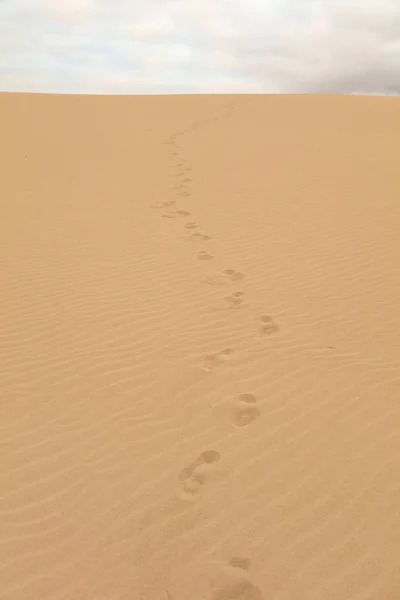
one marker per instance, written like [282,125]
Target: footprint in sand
[245,410]
[164,204]
[235,299]
[225,277]
[267,325]
[218,581]
[184,193]
[175,214]
[213,361]
[191,225]
[231,583]
[193,477]
[203,255]
[233,275]
[240,562]
[199,237]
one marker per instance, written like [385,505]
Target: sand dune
[200,348]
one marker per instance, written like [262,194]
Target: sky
[200,46]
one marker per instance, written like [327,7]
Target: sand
[200,348]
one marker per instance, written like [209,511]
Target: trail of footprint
[203,255]
[245,410]
[235,299]
[193,477]
[213,361]
[267,325]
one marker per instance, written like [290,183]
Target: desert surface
[200,347]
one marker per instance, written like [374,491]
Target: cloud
[187,46]
[339,47]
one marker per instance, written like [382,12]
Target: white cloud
[339,47]
[164,46]
[150,29]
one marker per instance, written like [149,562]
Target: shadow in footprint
[245,410]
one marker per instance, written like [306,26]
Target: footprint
[217,580]
[184,193]
[203,255]
[193,477]
[164,204]
[240,562]
[245,411]
[235,299]
[213,361]
[233,275]
[232,584]
[176,213]
[191,225]
[224,278]
[199,237]
[268,326]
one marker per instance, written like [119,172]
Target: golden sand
[200,348]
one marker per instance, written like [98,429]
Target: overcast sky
[200,46]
